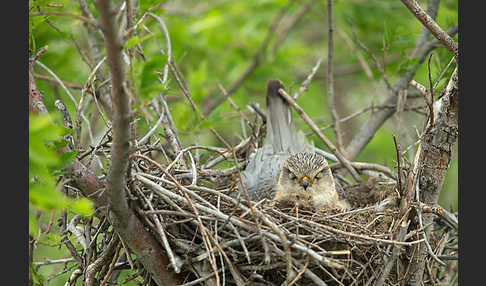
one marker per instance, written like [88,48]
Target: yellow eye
[292,176]
[319,175]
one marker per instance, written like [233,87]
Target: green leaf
[149,82]
[133,41]
[82,206]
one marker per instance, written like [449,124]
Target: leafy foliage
[45,137]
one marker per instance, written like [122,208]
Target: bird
[286,169]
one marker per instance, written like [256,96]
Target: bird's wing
[262,172]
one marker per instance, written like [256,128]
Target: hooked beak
[305,182]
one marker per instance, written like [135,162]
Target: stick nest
[214,238]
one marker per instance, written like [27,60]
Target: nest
[214,238]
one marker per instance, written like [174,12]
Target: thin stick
[330,78]
[224,217]
[430,96]
[362,236]
[60,13]
[316,130]
[399,159]
[303,86]
[375,60]
[204,233]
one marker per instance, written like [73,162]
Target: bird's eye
[292,176]
[319,175]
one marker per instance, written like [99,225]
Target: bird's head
[308,172]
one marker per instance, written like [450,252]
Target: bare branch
[435,29]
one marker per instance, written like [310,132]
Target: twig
[163,28]
[303,86]
[399,159]
[225,93]
[265,220]
[163,236]
[204,232]
[361,236]
[443,72]
[314,128]
[49,261]
[362,62]
[375,60]
[182,86]
[395,253]
[133,28]
[52,80]
[361,166]
[103,259]
[66,14]
[418,86]
[36,104]
[224,217]
[330,79]
[152,130]
[112,265]
[432,9]
[301,271]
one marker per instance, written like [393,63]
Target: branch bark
[435,153]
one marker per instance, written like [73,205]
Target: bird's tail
[281,133]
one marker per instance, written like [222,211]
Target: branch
[435,29]
[432,9]
[128,226]
[434,155]
[121,119]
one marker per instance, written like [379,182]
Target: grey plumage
[282,140]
